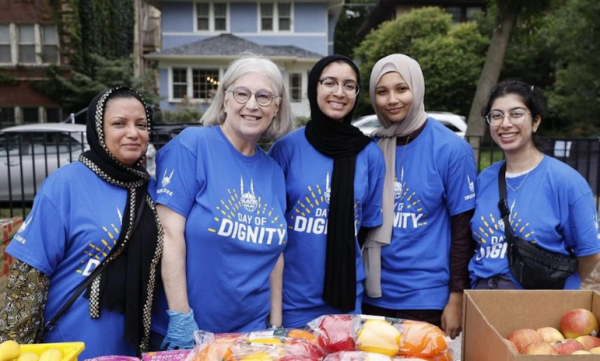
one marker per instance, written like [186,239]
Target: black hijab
[342,142]
[127,283]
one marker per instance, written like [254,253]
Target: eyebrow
[511,109]
[336,79]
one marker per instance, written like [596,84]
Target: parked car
[29,153]
[456,123]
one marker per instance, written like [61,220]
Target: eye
[497,115]
[241,93]
[329,83]
[263,97]
[381,92]
[402,89]
[517,113]
[142,125]
[350,86]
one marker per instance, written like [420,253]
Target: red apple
[334,333]
[540,348]
[511,346]
[567,347]
[589,342]
[578,322]
[523,337]
[550,334]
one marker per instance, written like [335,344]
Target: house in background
[461,11]
[200,38]
[29,42]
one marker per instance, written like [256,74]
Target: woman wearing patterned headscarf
[334,178]
[92,237]
[416,262]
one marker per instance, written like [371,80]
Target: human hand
[180,331]
[452,315]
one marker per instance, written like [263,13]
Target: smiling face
[513,138]
[393,97]
[125,129]
[338,104]
[247,122]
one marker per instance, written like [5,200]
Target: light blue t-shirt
[435,180]
[74,223]
[235,227]
[308,181]
[553,206]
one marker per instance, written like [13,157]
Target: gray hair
[251,63]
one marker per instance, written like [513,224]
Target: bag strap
[50,324]
[504,211]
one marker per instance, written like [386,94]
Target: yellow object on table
[70,350]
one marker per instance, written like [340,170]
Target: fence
[26,160]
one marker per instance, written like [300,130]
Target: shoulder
[65,175]
[563,173]
[292,137]
[290,141]
[373,151]
[189,138]
[491,171]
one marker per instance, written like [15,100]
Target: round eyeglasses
[515,116]
[242,95]
[330,86]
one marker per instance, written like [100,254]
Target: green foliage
[350,20]
[451,57]
[7,79]
[74,91]
[185,112]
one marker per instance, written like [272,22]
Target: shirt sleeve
[372,215]
[26,293]
[178,178]
[582,233]
[279,154]
[460,181]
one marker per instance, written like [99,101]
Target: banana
[28,356]
[51,355]
[9,350]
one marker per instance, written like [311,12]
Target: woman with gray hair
[222,201]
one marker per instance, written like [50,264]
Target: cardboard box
[489,316]
[8,228]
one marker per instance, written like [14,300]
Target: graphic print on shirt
[245,217]
[471,189]
[407,210]
[491,236]
[166,179]
[595,220]
[309,215]
[97,251]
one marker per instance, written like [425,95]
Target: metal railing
[583,154]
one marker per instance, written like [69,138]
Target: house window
[52,115]
[7,117]
[179,83]
[30,115]
[275,16]
[296,87]
[211,16]
[205,82]
[5,49]
[26,36]
[49,44]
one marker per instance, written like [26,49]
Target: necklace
[526,175]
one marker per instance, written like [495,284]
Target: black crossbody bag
[532,266]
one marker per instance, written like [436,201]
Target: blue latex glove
[180,331]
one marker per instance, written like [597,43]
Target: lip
[132,146]
[394,110]
[258,117]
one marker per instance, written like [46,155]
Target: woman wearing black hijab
[334,179]
[92,231]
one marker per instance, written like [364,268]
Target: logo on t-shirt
[166,179]
[24,225]
[248,217]
[327,189]
[408,211]
[98,250]
[471,188]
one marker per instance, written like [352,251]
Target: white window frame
[301,76]
[42,44]
[190,83]
[276,17]
[14,45]
[211,17]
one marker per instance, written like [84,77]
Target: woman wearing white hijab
[416,262]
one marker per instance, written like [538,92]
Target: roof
[228,45]
[45,127]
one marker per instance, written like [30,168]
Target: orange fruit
[422,339]
[296,333]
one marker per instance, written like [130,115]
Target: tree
[353,15]
[450,56]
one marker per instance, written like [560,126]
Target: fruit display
[270,345]
[577,336]
[385,336]
[13,351]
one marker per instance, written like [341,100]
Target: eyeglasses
[515,116]
[331,86]
[242,95]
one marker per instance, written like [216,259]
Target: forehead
[508,102]
[391,79]
[123,105]
[254,82]
[342,71]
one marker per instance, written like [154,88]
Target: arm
[26,292]
[173,259]
[276,282]
[461,251]
[587,264]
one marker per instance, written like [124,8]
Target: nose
[252,103]
[506,123]
[132,131]
[339,92]
[393,98]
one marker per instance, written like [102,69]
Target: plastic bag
[386,336]
[174,355]
[113,358]
[370,356]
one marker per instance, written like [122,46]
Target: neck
[523,162]
[245,146]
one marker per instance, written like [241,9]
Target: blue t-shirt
[553,206]
[235,227]
[74,223]
[435,178]
[308,181]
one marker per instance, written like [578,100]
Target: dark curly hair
[531,96]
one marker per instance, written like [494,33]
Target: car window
[450,126]
[372,123]
[11,145]
[54,142]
